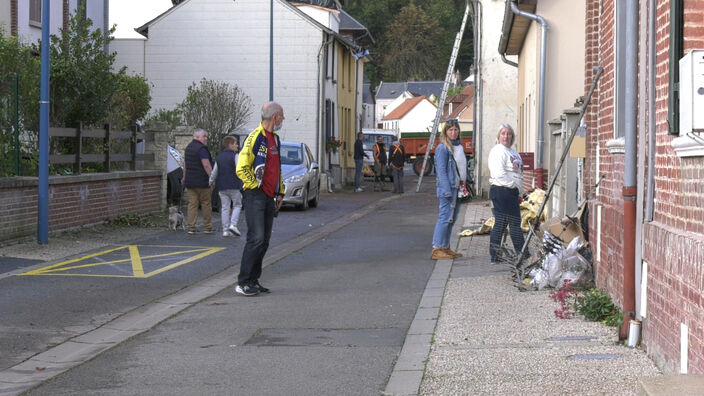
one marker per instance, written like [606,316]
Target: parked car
[301,175]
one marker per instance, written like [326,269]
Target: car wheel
[314,202]
[304,205]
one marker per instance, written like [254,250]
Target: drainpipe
[508,62]
[630,189]
[477,140]
[651,111]
[539,171]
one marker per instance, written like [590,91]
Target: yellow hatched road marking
[135,259]
[137,268]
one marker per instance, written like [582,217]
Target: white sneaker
[234,230]
[226,233]
[358,189]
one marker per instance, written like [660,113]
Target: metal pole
[43,193]
[17,124]
[271,50]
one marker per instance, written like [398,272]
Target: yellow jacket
[252,159]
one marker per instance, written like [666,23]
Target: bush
[217,107]
[596,305]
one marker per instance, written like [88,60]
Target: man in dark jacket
[359,156]
[397,156]
[196,177]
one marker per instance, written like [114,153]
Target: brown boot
[441,254]
[454,254]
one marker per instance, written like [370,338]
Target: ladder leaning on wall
[443,96]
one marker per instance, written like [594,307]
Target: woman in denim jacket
[449,160]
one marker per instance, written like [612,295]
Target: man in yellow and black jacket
[259,168]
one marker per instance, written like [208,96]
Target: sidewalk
[493,339]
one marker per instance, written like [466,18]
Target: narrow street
[337,317]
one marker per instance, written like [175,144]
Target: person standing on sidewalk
[449,156]
[397,157]
[259,168]
[506,184]
[380,160]
[229,185]
[359,156]
[196,175]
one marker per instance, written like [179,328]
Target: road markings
[128,261]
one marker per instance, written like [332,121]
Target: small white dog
[176,219]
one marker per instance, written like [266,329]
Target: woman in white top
[505,167]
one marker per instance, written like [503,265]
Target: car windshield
[370,141]
[291,155]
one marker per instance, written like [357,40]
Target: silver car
[301,175]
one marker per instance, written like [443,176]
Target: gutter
[539,171]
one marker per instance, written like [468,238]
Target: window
[35,12]
[676,52]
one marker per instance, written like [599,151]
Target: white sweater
[505,167]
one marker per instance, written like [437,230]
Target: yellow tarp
[529,211]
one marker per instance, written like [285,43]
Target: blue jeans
[358,164]
[446,218]
[259,210]
[506,211]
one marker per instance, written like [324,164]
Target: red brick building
[647,217]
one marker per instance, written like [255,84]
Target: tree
[130,102]
[410,49]
[17,61]
[82,82]
[447,17]
[217,107]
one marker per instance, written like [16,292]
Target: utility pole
[43,193]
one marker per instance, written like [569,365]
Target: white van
[369,141]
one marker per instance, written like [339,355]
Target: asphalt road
[334,324]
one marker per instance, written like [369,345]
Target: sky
[131,14]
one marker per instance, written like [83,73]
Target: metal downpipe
[508,62]
[630,188]
[539,171]
[651,112]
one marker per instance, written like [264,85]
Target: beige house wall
[564,69]
[498,88]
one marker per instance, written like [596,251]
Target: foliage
[17,59]
[82,83]
[409,49]
[130,102]
[332,144]
[217,107]
[446,15]
[566,296]
[596,305]
[173,117]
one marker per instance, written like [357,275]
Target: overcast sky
[131,14]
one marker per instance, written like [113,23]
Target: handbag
[463,194]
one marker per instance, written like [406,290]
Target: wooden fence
[107,157]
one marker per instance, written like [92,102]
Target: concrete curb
[408,371]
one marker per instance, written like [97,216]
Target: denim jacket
[445,171]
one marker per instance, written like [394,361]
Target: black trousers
[259,210]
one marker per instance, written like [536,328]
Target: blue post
[43,195]
[271,50]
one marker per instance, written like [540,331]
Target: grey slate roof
[391,90]
[367,94]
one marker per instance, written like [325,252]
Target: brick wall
[673,243]
[77,200]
